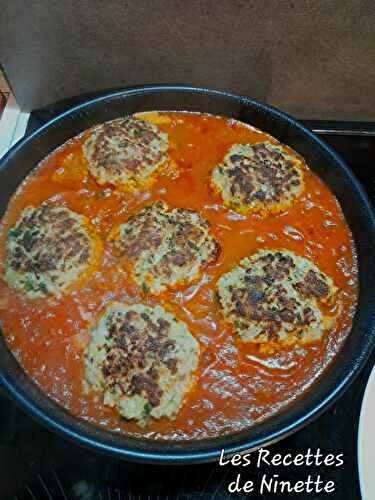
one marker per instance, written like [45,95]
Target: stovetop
[36,464]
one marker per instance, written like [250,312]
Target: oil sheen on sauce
[237,385]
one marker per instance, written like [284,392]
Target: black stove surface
[37,464]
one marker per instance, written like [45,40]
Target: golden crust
[165,248]
[277,297]
[261,177]
[50,250]
[142,359]
[126,153]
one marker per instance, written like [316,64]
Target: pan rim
[180,456]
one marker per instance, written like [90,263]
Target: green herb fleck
[239,325]
[147,408]
[29,233]
[171,242]
[29,285]
[29,237]
[14,232]
[193,245]
[43,287]
[145,288]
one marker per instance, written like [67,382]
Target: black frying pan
[23,157]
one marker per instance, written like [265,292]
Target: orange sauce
[237,385]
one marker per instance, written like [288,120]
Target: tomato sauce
[237,384]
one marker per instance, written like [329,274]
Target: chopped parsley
[28,285]
[28,237]
[14,232]
[147,408]
[145,288]
[171,242]
[239,325]
[193,245]
[43,287]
